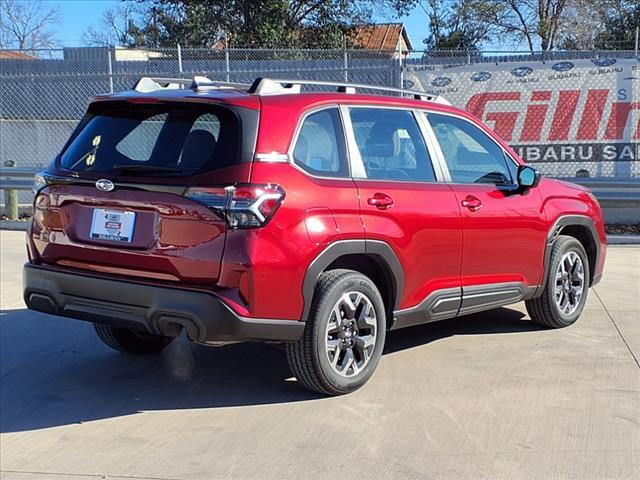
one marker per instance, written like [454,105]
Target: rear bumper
[149,308]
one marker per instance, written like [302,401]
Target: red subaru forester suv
[317,220]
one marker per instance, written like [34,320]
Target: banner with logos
[573,118]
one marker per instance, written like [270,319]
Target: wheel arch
[583,229]
[373,258]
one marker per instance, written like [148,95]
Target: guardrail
[12,179]
[17,178]
[610,192]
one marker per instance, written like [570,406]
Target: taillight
[242,206]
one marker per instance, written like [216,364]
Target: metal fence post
[345,59]
[11,197]
[637,38]
[179,58]
[227,73]
[401,60]
[110,67]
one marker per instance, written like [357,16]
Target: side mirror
[528,177]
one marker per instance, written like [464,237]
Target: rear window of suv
[162,139]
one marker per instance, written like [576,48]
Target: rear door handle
[472,203]
[381,201]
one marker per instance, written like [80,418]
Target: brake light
[242,206]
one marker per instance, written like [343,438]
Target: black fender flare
[562,222]
[337,249]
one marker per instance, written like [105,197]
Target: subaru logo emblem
[604,62]
[481,76]
[562,66]
[105,185]
[441,82]
[521,71]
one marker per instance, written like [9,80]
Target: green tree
[265,23]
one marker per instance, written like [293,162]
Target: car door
[504,229]
[404,205]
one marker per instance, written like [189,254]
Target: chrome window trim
[433,147]
[354,150]
[427,112]
[296,134]
[272,157]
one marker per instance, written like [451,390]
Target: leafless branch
[27,24]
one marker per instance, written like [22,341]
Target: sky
[77,15]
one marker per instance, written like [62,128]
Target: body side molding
[438,305]
[453,302]
[477,298]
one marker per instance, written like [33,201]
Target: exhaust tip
[41,303]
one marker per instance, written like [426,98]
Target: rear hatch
[114,199]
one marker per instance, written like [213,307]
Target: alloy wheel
[351,333]
[569,283]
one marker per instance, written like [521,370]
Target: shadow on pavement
[56,372]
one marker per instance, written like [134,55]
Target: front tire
[344,335]
[566,288]
[130,341]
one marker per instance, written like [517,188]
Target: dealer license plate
[113,225]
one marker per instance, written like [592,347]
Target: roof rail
[269,86]
[150,84]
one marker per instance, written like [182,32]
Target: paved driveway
[488,396]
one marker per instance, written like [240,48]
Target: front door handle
[381,201]
[472,203]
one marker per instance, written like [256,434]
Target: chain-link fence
[573,113]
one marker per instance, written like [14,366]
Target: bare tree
[583,24]
[28,24]
[531,20]
[115,28]
[458,24]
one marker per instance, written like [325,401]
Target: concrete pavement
[490,396]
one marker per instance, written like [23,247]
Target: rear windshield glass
[159,139]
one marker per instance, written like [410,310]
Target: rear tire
[343,337]
[131,341]
[566,287]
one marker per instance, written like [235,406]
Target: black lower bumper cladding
[148,308]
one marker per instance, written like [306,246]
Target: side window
[320,148]
[391,145]
[470,154]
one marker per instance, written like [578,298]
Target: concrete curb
[13,225]
[623,239]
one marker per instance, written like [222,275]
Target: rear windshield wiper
[144,169]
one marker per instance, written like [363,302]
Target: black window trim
[440,156]
[296,134]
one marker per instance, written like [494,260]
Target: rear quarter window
[320,146]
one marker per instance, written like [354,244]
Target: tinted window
[138,144]
[181,139]
[472,157]
[391,144]
[320,145]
